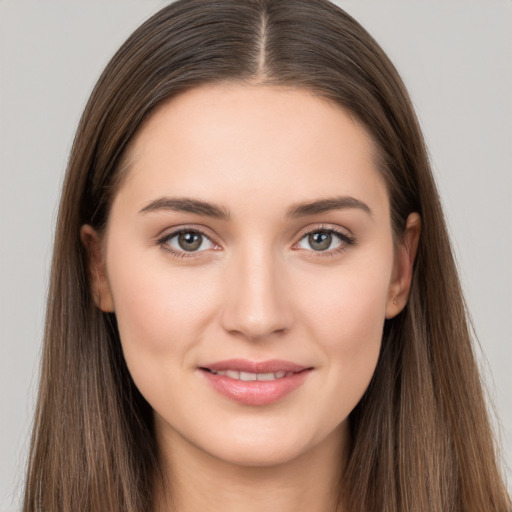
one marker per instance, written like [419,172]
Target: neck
[194,481]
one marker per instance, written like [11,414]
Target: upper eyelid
[172,234]
[168,233]
[325,227]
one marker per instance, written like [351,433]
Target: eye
[187,241]
[322,240]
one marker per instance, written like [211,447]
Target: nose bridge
[257,302]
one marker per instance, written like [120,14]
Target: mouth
[250,376]
[255,383]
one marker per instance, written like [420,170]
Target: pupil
[190,241]
[320,241]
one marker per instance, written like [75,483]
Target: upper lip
[245,365]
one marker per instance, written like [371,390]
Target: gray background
[456,59]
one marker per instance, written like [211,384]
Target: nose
[257,302]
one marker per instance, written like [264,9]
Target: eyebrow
[187,205]
[198,207]
[327,205]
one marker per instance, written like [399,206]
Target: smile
[255,383]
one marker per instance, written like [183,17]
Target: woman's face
[250,263]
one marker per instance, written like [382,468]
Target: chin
[267,448]
[261,454]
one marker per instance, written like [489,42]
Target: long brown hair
[420,436]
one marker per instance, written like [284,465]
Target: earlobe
[403,266]
[99,284]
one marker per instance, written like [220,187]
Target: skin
[256,289]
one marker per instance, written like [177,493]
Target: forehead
[233,141]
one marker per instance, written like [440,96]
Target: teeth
[267,376]
[233,374]
[249,376]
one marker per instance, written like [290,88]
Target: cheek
[346,318]
[160,311]
[349,304]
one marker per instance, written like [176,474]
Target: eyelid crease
[168,232]
[344,233]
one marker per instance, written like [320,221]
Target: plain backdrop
[455,58]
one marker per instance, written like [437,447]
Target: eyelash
[346,241]
[163,242]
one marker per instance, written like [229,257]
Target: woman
[253,298]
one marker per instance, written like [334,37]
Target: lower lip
[255,392]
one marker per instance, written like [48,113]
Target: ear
[96,266]
[403,266]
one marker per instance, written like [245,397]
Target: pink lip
[244,365]
[255,392]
